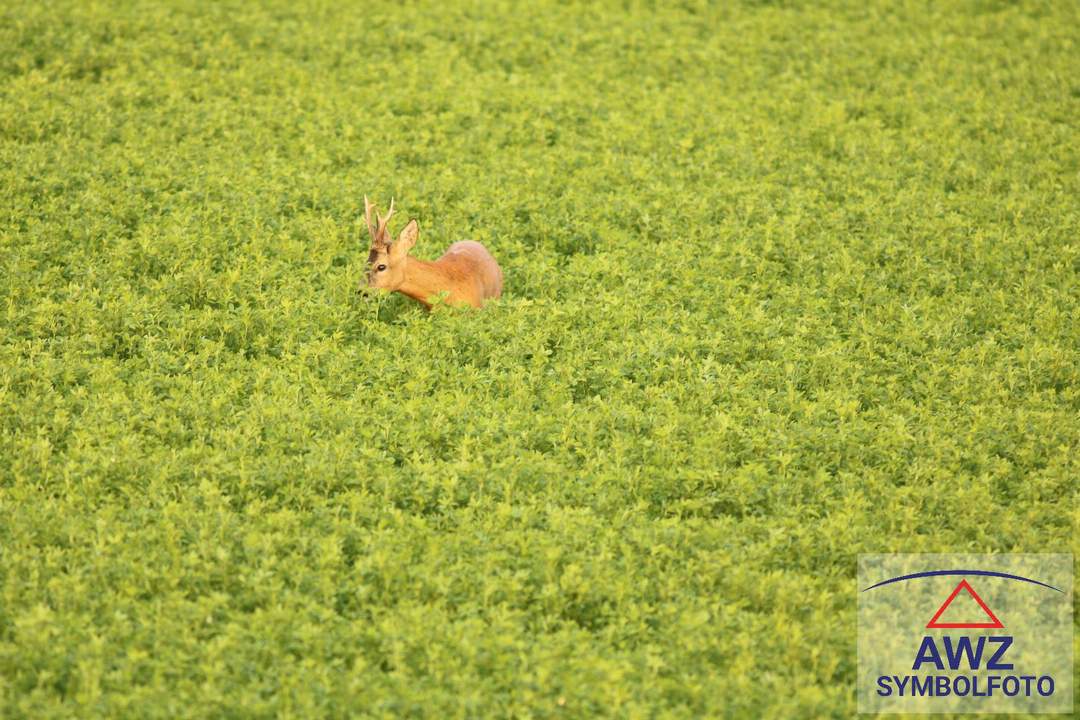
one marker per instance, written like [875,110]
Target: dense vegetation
[784,283]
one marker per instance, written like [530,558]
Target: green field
[785,283]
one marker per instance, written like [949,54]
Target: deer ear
[406,239]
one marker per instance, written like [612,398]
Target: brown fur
[466,272]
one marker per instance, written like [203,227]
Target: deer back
[472,266]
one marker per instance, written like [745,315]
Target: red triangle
[995,623]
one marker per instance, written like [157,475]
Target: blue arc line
[987,573]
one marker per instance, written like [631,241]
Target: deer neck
[424,280]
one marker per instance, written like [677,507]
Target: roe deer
[466,271]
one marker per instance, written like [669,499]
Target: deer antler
[381,232]
[377,229]
[372,229]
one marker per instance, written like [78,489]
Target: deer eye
[380,268]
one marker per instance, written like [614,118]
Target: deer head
[386,260]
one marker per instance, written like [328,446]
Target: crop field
[784,283]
